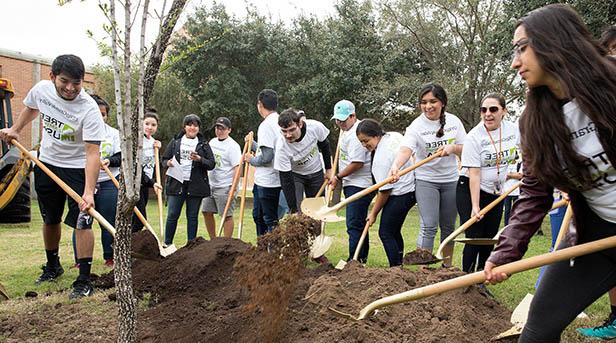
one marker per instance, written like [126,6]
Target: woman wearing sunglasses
[568,132]
[488,150]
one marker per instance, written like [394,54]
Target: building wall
[24,71]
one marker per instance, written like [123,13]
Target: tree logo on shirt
[57,129]
[432,147]
[106,149]
[218,158]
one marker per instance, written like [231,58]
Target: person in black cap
[190,152]
[228,156]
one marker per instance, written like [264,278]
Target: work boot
[605,331]
[81,288]
[49,274]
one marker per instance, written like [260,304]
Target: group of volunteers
[566,140]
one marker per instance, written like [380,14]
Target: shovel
[159,193]
[466,225]
[244,186]
[99,218]
[236,179]
[321,243]
[164,252]
[494,240]
[479,277]
[315,209]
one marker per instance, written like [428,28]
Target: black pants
[144,192]
[390,229]
[474,256]
[307,184]
[565,290]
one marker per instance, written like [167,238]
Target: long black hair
[439,92]
[567,52]
[370,128]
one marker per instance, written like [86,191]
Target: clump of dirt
[144,245]
[419,256]
[270,270]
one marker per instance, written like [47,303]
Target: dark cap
[224,122]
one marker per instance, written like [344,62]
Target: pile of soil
[419,256]
[225,290]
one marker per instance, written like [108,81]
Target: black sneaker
[81,288]
[49,274]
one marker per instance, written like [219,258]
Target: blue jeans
[356,213]
[283,208]
[175,203]
[265,208]
[390,229]
[105,203]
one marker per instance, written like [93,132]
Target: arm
[26,116]
[92,170]
[474,176]
[115,160]
[451,149]
[168,154]
[350,169]
[288,188]
[381,200]
[266,157]
[207,160]
[404,154]
[325,149]
[514,175]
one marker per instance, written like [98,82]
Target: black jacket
[198,185]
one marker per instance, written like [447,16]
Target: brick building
[24,71]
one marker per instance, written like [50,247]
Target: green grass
[22,255]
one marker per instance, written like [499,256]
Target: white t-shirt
[421,138]
[302,157]
[268,135]
[109,147]
[384,157]
[602,196]
[480,152]
[227,154]
[147,154]
[187,145]
[351,150]
[514,167]
[66,125]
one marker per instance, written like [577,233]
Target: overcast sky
[42,28]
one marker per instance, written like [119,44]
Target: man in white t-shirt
[298,156]
[354,171]
[228,156]
[266,189]
[72,131]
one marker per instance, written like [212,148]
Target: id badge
[497,188]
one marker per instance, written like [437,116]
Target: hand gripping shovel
[164,252]
[315,209]
[479,277]
[494,240]
[159,193]
[236,179]
[244,186]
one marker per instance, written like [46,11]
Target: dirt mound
[419,256]
[144,245]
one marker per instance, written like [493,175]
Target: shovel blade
[170,249]
[320,245]
[341,264]
[316,208]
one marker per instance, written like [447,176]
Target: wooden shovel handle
[244,186]
[159,193]
[473,220]
[479,277]
[364,233]
[99,218]
[374,187]
[564,227]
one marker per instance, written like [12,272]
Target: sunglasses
[492,109]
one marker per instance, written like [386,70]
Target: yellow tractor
[14,168]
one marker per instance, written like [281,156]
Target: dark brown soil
[419,256]
[225,290]
[144,245]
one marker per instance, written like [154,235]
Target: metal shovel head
[514,331]
[477,241]
[320,245]
[168,250]
[520,313]
[316,208]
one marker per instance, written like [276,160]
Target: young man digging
[72,130]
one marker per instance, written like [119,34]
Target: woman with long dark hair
[435,130]
[396,200]
[567,131]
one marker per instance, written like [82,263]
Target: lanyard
[500,147]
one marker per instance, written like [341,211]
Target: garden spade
[240,224]
[315,208]
[164,252]
[479,277]
[159,193]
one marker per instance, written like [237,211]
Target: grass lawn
[22,255]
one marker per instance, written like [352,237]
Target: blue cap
[343,109]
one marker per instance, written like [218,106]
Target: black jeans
[356,213]
[565,290]
[142,203]
[390,229]
[307,184]
[509,200]
[474,256]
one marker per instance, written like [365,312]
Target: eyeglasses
[492,109]
[519,47]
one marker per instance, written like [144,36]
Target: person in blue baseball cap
[354,172]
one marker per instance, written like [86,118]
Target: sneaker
[605,331]
[109,263]
[49,274]
[81,288]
